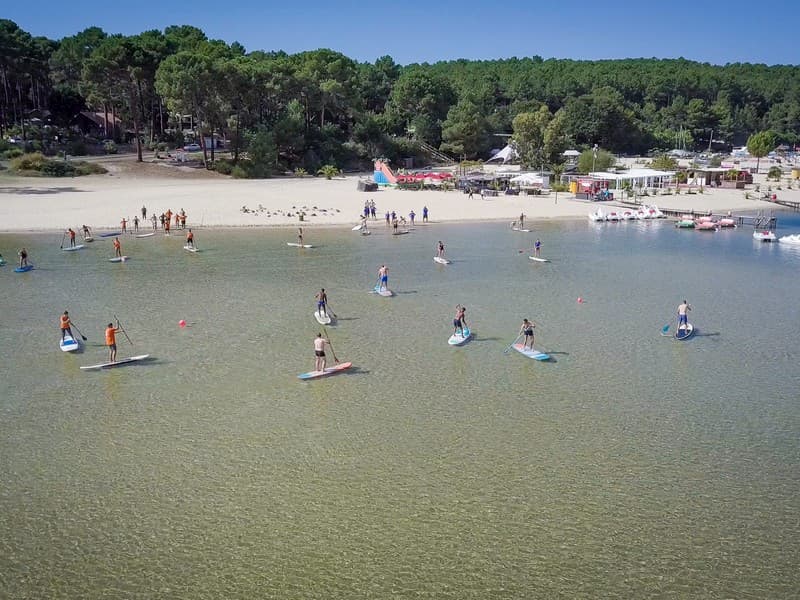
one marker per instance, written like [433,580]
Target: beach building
[613,184]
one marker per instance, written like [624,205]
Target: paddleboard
[400,232]
[2,262]
[530,353]
[457,339]
[322,319]
[118,259]
[537,259]
[191,248]
[68,344]
[24,269]
[684,334]
[144,235]
[73,248]
[328,371]
[112,234]
[296,245]
[386,293]
[118,363]
[441,261]
[522,230]
[366,232]
[88,239]
[357,227]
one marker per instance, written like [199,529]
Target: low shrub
[88,168]
[28,162]
[224,166]
[57,168]
[239,172]
[77,149]
[110,148]
[12,153]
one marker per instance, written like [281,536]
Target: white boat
[597,216]
[657,214]
[613,217]
[793,240]
[628,215]
[764,236]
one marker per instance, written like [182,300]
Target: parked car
[14,140]
[192,147]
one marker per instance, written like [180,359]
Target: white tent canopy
[573,153]
[505,155]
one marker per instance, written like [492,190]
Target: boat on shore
[727,223]
[597,216]
[685,224]
[706,226]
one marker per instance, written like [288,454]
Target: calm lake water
[631,466]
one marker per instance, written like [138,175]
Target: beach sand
[210,200]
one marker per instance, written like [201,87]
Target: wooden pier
[761,220]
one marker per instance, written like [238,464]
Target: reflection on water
[631,466]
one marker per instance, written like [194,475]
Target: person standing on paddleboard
[537,247]
[144,212]
[683,308]
[135,224]
[459,321]
[383,275]
[322,302]
[86,232]
[124,225]
[23,257]
[300,236]
[71,233]
[440,249]
[521,220]
[117,248]
[111,341]
[527,331]
[412,215]
[65,326]
[190,239]
[319,352]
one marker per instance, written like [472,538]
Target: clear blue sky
[711,31]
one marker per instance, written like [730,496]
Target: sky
[711,31]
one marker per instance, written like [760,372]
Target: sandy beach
[101,201]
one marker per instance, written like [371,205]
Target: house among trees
[94,124]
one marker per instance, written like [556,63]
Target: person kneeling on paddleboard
[527,331]
[319,352]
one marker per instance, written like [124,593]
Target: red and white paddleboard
[328,371]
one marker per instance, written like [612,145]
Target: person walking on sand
[440,249]
[111,341]
[683,308]
[117,248]
[537,247]
[319,353]
[527,330]
[412,215]
[322,302]
[23,257]
[154,219]
[71,233]
[383,276]
[459,321]
[124,224]
[424,214]
[372,209]
[387,218]
[190,239]
[144,212]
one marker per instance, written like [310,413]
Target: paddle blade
[665,329]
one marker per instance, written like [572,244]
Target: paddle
[665,329]
[79,331]
[330,310]
[376,286]
[122,329]
[63,235]
[511,345]
[330,344]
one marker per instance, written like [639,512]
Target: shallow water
[632,465]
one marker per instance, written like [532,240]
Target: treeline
[282,111]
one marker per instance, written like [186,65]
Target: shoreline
[43,205]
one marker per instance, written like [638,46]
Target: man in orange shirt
[111,341]
[117,247]
[65,323]
[71,237]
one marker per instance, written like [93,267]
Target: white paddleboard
[144,235]
[441,261]
[190,248]
[68,344]
[457,338]
[118,363]
[73,248]
[366,232]
[322,319]
[522,230]
[530,352]
[684,333]
[385,292]
[357,227]
[88,239]
[118,259]
[328,371]
[296,245]
[400,232]
[537,259]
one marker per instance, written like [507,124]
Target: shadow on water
[406,292]
[478,340]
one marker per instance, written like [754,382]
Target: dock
[759,221]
